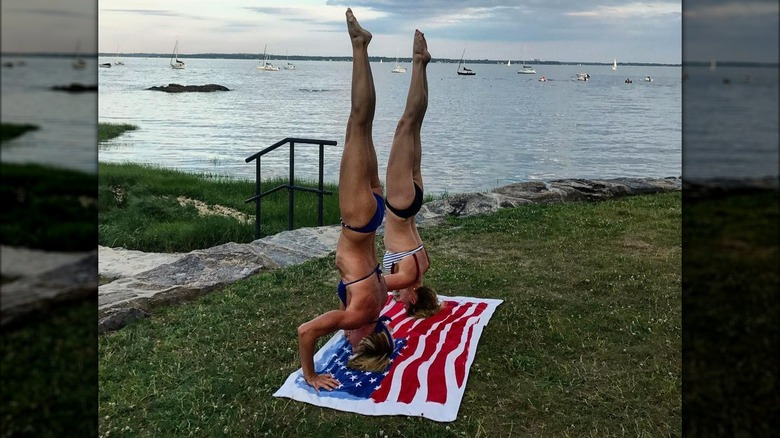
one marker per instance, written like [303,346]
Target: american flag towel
[428,371]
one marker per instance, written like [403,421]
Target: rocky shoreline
[136,283]
[137,291]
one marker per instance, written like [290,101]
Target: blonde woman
[362,290]
[405,260]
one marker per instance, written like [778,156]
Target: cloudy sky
[564,30]
[504,29]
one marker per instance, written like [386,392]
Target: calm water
[479,133]
[67,136]
[731,130]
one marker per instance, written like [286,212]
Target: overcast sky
[563,30]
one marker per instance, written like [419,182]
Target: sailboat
[79,63]
[713,64]
[289,66]
[527,70]
[116,55]
[614,64]
[175,62]
[509,63]
[267,66]
[398,67]
[462,70]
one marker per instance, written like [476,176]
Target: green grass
[107,131]
[9,131]
[586,344]
[49,374]
[47,208]
[139,208]
[731,311]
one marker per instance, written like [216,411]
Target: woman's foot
[359,36]
[420,48]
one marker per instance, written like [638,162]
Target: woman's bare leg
[403,165]
[358,172]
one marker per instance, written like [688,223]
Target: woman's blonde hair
[427,303]
[373,353]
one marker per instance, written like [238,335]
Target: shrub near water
[9,131]
[139,209]
[47,208]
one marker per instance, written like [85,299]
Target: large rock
[176,88]
[189,276]
[75,88]
[541,192]
[37,291]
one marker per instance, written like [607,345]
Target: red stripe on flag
[437,384]
[450,317]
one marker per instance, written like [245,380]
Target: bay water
[480,132]
[67,134]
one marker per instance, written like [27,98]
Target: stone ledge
[68,282]
[146,281]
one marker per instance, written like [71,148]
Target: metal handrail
[291,187]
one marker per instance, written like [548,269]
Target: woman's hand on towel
[325,381]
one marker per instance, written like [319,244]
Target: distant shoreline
[254,56]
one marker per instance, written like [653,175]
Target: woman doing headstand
[405,260]
[362,289]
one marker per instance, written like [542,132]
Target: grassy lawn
[49,374]
[586,344]
[46,208]
[731,309]
[155,210]
[48,368]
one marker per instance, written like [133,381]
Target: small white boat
[267,66]
[543,79]
[175,62]
[398,67]
[648,79]
[462,70]
[79,63]
[583,77]
[527,70]
[289,66]
[614,64]
[118,61]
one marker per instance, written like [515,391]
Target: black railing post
[291,193]
[290,186]
[259,194]
[320,199]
